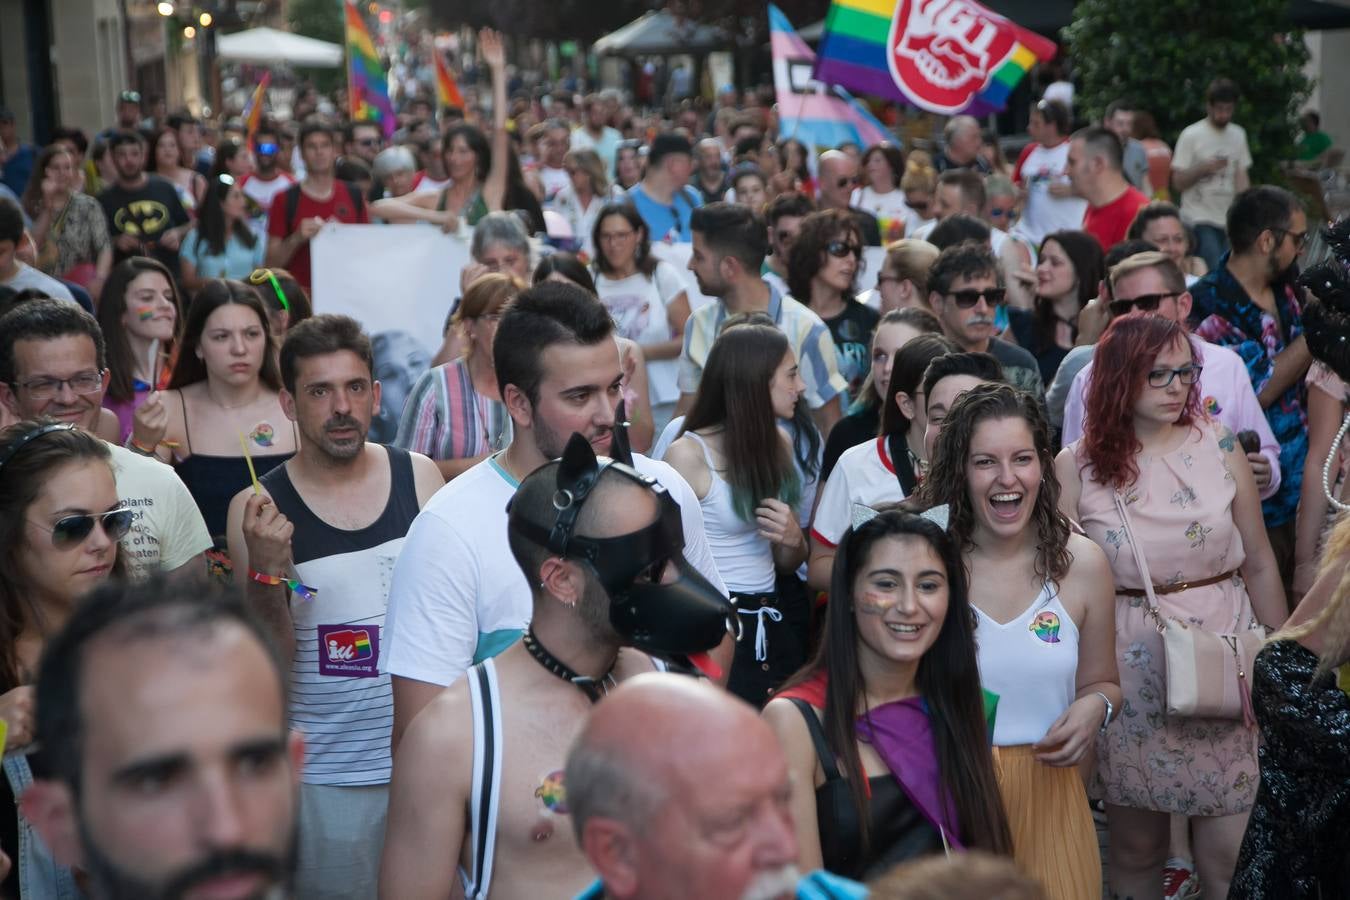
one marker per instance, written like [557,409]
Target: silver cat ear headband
[938,515]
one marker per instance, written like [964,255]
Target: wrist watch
[1110,711]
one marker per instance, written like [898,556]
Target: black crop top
[897,831]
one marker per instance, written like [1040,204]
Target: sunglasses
[1145,302]
[368,142]
[845,182]
[840,249]
[1161,378]
[72,531]
[268,149]
[785,237]
[921,207]
[263,276]
[999,211]
[967,299]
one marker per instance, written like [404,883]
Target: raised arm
[494,189]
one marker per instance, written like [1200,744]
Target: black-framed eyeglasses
[71,531]
[968,298]
[1161,378]
[48,388]
[1145,302]
[1300,237]
[263,276]
[841,249]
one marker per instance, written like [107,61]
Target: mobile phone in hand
[1250,441]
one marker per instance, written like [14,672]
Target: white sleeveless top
[744,559]
[1032,664]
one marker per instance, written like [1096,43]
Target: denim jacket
[40,877]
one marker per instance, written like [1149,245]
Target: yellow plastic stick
[243,445]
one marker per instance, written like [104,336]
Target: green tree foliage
[1161,54]
[323,20]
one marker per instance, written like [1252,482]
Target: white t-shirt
[638,304]
[428,185]
[1207,201]
[263,192]
[168,529]
[581,218]
[1044,214]
[864,474]
[894,216]
[458,597]
[554,180]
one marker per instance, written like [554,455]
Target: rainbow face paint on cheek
[145,313]
[875,603]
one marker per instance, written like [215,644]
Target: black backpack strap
[358,202]
[823,751]
[292,206]
[904,469]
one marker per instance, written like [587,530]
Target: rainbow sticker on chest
[552,793]
[262,434]
[1046,627]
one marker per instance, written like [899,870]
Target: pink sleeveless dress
[1181,510]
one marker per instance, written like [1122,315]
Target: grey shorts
[341,839]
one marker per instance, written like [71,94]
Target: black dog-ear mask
[679,621]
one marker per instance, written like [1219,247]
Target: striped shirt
[339,700]
[806,333]
[445,418]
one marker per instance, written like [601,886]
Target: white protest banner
[399,281]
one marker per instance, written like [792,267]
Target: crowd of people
[1011,569]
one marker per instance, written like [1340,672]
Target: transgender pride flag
[814,114]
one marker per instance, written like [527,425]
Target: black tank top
[896,830]
[314,538]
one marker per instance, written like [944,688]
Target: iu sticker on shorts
[349,651]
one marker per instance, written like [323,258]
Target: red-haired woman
[1191,502]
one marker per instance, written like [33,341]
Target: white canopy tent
[268,46]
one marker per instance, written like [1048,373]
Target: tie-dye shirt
[1228,317]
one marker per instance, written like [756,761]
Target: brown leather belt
[1178,587]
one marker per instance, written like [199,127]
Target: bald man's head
[659,765]
[838,176]
[637,745]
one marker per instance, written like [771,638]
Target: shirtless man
[601,548]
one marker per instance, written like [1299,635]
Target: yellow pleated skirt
[1054,840]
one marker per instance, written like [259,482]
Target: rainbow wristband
[305,591]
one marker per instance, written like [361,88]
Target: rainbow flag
[447,91]
[254,110]
[367,83]
[945,56]
[807,109]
